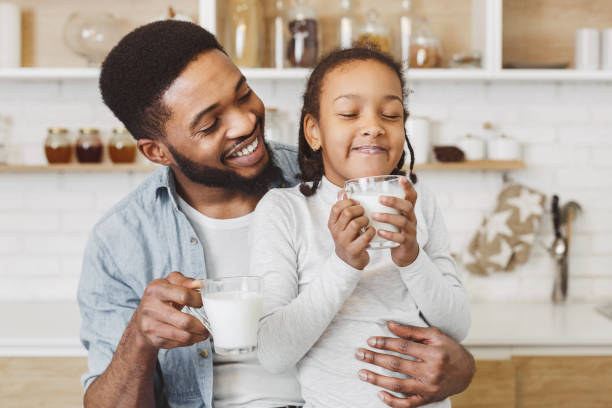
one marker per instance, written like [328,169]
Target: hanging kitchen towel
[504,239]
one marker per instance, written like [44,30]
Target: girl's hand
[346,220]
[405,221]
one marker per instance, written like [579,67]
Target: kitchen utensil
[559,253]
[569,211]
[10,36]
[587,52]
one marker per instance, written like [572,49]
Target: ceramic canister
[418,130]
[10,36]
[503,148]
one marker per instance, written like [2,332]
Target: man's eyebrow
[199,116]
[212,107]
[241,81]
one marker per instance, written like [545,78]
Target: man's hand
[346,220]
[158,317]
[443,367]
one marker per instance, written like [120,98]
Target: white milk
[370,203]
[234,317]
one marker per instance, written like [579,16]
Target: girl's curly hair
[310,161]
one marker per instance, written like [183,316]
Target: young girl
[324,292]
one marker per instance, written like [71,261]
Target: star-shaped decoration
[527,204]
[498,224]
[502,258]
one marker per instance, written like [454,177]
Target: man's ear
[155,151]
[312,132]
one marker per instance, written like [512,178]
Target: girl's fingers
[355,226]
[403,206]
[347,216]
[411,194]
[337,210]
[362,241]
[398,220]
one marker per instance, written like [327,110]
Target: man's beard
[212,177]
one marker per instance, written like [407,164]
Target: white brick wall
[565,130]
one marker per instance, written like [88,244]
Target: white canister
[418,130]
[587,49]
[473,147]
[606,49]
[10,36]
[503,148]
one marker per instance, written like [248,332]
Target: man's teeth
[247,150]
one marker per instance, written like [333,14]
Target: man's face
[215,130]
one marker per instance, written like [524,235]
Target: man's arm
[443,367]
[156,323]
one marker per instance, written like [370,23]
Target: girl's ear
[311,132]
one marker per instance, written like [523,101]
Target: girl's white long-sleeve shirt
[318,310]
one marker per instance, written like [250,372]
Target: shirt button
[194,240]
[204,354]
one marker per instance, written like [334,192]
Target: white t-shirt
[238,381]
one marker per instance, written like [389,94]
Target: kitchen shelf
[78,168]
[490,165]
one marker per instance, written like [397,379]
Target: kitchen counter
[499,330]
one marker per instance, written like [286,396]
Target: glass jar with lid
[425,48]
[245,32]
[405,32]
[58,146]
[374,32]
[122,146]
[89,146]
[278,36]
[303,46]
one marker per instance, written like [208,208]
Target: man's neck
[215,202]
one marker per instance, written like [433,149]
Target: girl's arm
[292,321]
[433,280]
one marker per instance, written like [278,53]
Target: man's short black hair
[143,65]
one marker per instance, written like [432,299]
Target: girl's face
[361,121]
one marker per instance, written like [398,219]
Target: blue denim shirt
[142,238]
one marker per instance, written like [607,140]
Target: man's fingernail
[372,341]
[381,396]
[363,376]
[359,354]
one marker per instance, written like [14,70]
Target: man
[192,112]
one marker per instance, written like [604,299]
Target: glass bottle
[121,146]
[244,35]
[89,146]
[58,146]
[405,32]
[346,30]
[303,46]
[278,36]
[374,32]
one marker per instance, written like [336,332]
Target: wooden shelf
[485,165]
[78,168]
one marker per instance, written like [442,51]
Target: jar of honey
[89,146]
[58,146]
[122,147]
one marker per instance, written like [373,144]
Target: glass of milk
[231,312]
[367,191]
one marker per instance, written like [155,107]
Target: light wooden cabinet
[540,382]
